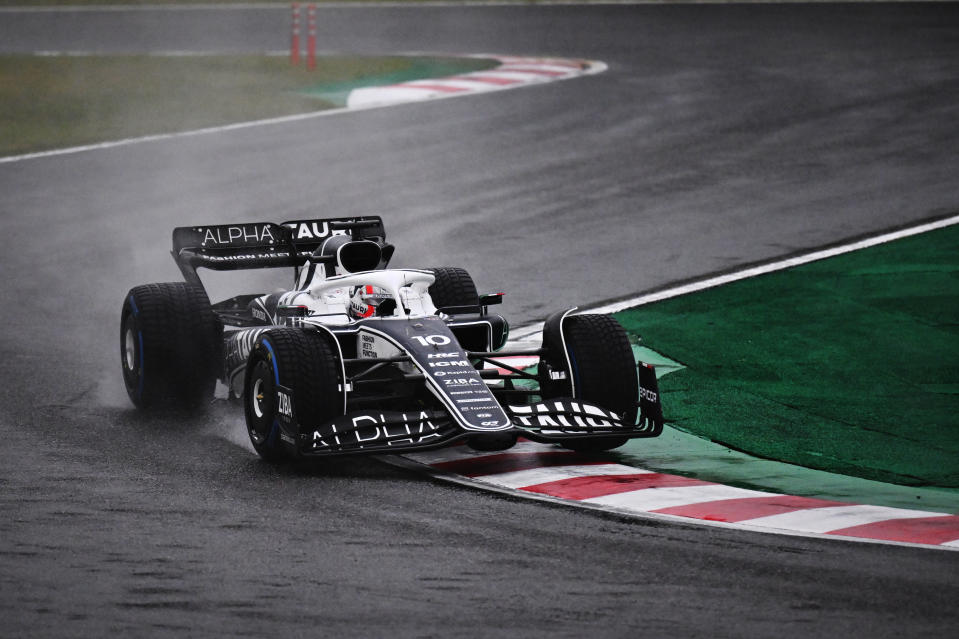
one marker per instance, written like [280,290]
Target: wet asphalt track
[720,136]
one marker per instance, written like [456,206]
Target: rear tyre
[603,372]
[307,367]
[170,343]
[453,287]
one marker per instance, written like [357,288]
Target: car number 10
[432,340]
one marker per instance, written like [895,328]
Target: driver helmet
[369,301]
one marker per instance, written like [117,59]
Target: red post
[295,37]
[311,37]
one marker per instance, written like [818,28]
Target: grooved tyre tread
[453,287]
[603,371]
[170,344]
[305,363]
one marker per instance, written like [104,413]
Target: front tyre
[603,372]
[170,341]
[453,287]
[292,380]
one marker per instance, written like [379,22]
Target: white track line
[172,136]
[775,266]
[530,334]
[399,94]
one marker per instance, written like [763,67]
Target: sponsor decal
[461,371]
[462,381]
[367,346]
[455,362]
[260,315]
[373,347]
[245,256]
[284,403]
[565,416]
[648,395]
[244,234]
[436,353]
[309,230]
[388,428]
[650,409]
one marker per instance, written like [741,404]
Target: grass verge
[49,102]
[849,365]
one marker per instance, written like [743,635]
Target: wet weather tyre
[292,380]
[170,344]
[603,372]
[453,287]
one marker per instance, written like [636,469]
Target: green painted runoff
[848,365]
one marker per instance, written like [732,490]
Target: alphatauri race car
[360,358]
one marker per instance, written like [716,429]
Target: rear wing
[229,247]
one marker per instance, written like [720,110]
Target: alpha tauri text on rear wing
[227,247]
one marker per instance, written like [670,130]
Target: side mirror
[386,255]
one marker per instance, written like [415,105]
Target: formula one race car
[359,358]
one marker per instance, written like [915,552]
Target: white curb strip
[513,72]
[544,471]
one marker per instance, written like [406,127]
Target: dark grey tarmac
[720,136]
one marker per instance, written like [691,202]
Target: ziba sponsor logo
[284,404]
[463,381]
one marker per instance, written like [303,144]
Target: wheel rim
[257,398]
[129,349]
[260,405]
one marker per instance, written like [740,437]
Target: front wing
[555,420]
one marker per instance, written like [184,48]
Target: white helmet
[369,301]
